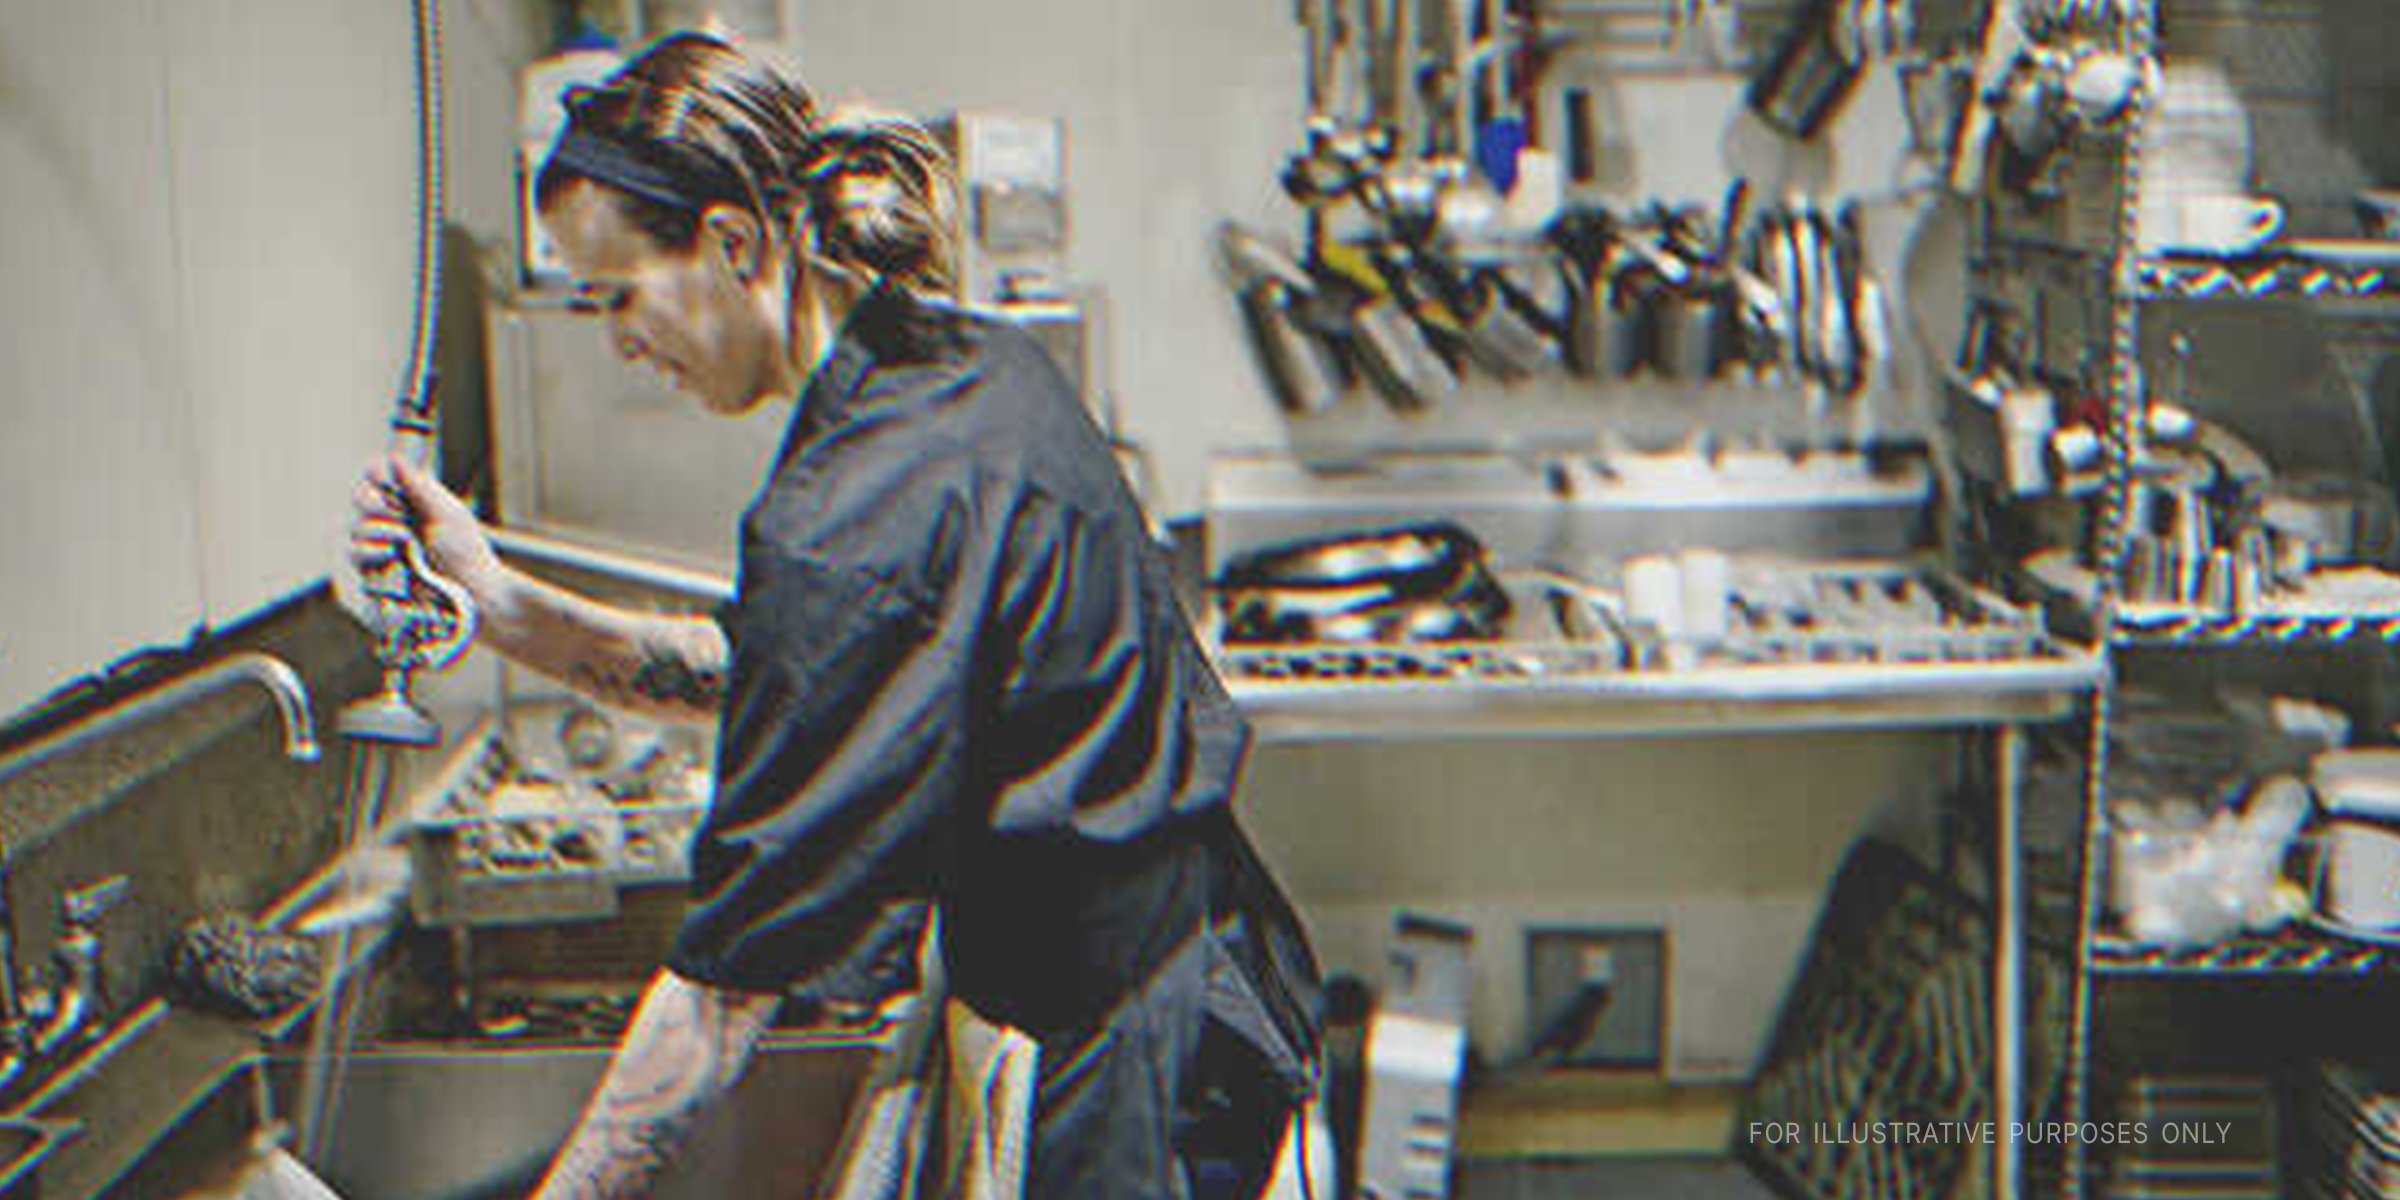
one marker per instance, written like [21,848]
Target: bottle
[586,57]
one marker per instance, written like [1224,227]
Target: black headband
[653,172]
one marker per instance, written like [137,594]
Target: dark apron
[1182,1087]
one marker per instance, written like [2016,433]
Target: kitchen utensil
[1684,334]
[1415,559]
[1300,369]
[2220,587]
[1409,583]
[2145,579]
[1811,73]
[1396,356]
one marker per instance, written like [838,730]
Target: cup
[1706,577]
[2028,416]
[2229,223]
[1684,332]
[1654,594]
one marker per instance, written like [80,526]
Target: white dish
[2343,929]
[2353,252]
[2366,782]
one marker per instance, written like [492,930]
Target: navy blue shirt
[959,672]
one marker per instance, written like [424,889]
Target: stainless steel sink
[26,1144]
[461,1124]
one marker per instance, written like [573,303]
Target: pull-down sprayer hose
[420,619]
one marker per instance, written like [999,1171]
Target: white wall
[1726,844]
[1180,116]
[98,538]
[208,299]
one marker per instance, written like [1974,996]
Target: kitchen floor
[1610,1178]
[1601,1135]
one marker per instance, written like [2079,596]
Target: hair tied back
[883,198]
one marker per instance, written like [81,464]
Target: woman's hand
[394,499]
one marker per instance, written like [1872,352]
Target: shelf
[1375,693]
[2291,952]
[2166,625]
[2334,282]
[2140,625]
[2335,276]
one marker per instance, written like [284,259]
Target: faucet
[81,999]
[280,681]
[37,1025]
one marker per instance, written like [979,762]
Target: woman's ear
[737,237]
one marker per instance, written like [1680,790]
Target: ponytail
[882,203]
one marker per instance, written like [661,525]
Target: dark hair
[696,122]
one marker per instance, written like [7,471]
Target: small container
[1706,577]
[1684,331]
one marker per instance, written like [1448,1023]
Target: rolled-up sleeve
[838,761]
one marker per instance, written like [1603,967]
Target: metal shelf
[2289,273]
[2152,625]
[1934,653]
[2158,625]
[2328,283]
[1343,694]
[2294,951]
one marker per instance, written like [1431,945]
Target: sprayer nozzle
[388,717]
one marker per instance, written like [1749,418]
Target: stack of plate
[2200,1138]
[2349,1121]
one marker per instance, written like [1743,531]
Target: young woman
[954,667]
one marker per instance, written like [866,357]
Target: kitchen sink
[26,1144]
[452,1123]
[174,1102]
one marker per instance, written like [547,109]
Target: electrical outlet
[1596,996]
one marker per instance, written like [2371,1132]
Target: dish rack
[499,847]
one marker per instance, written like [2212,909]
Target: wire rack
[1835,614]
[2144,624]
[2282,277]
[2293,951]
[1489,663]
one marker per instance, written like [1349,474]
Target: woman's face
[710,318]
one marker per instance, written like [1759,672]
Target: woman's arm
[666,666]
[687,1047]
[660,665]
